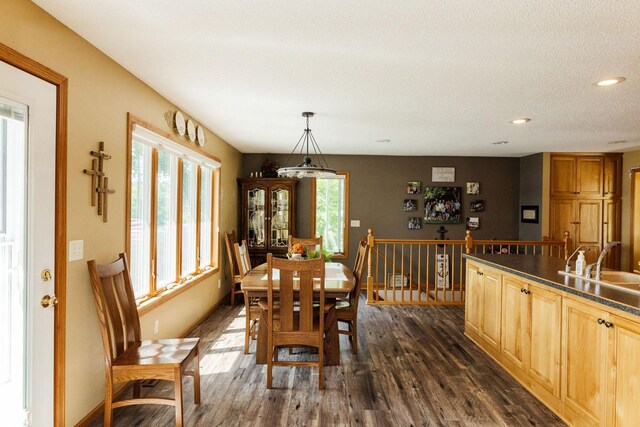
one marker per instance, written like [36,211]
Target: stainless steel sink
[622,280]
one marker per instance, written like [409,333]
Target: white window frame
[345,225]
[158,140]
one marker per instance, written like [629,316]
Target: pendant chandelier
[306,169]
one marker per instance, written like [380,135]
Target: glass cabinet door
[279,214]
[256,218]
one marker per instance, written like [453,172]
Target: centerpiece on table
[299,251]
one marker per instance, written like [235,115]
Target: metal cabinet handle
[608,324]
[600,321]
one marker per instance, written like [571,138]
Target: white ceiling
[435,77]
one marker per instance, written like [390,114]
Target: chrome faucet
[598,264]
[567,268]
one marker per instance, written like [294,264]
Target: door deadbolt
[46,275]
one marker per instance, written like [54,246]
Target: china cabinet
[267,215]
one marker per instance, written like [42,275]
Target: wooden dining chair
[347,309]
[251,308]
[127,357]
[230,240]
[312,243]
[293,320]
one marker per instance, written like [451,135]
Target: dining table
[338,283]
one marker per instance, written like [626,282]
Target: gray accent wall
[378,189]
[531,194]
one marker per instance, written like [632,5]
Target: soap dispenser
[580,262]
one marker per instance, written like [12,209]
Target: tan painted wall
[101,93]
[629,160]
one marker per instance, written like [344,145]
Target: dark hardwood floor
[414,367]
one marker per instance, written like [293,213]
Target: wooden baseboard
[99,409]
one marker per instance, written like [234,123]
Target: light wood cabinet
[624,388]
[531,331]
[611,215]
[483,296]
[612,175]
[267,215]
[584,361]
[472,298]
[577,356]
[576,176]
[585,191]
[491,293]
[583,219]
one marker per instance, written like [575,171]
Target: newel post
[370,243]
[468,239]
[567,244]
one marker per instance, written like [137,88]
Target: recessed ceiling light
[521,121]
[617,142]
[500,142]
[383,140]
[610,81]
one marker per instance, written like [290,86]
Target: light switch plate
[355,223]
[76,250]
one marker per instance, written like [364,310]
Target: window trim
[336,255]
[149,302]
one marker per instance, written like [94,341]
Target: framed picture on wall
[529,214]
[442,205]
[440,174]
[414,223]
[410,205]
[473,188]
[473,223]
[414,187]
[476,206]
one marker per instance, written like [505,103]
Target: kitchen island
[572,343]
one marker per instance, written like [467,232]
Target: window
[173,201]
[330,212]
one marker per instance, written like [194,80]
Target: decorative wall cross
[99,181]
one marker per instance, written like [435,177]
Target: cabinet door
[545,331]
[562,218]
[255,231]
[589,171]
[563,176]
[515,320]
[279,215]
[584,361]
[491,292]
[612,175]
[589,227]
[611,232]
[472,299]
[624,392]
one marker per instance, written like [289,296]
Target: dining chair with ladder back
[309,244]
[127,357]
[251,308]
[347,309]
[230,240]
[294,318]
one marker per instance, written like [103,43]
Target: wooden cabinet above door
[577,176]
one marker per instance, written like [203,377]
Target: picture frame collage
[442,204]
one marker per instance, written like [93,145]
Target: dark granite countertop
[544,270]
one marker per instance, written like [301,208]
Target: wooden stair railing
[407,272]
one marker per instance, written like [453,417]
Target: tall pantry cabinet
[585,200]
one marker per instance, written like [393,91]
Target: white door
[27,225]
